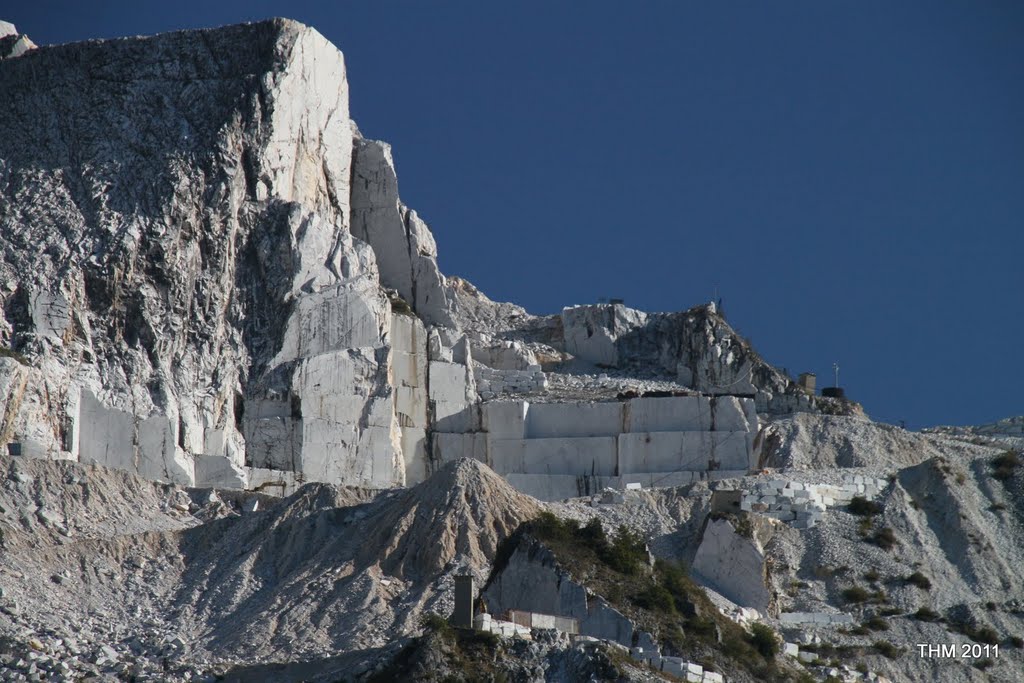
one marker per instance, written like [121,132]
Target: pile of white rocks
[677,666]
[803,505]
[51,657]
[841,673]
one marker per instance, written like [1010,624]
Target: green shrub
[886,649]
[885,538]
[656,598]
[872,575]
[593,534]
[400,305]
[627,553]
[920,580]
[859,505]
[764,640]
[985,634]
[435,623]
[979,634]
[1015,641]
[856,594]
[927,614]
[1005,466]
[876,624]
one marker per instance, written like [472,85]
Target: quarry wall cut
[207,276]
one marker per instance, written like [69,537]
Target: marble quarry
[264,313]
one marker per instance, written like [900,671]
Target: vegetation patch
[887,649]
[445,653]
[661,599]
[859,505]
[977,633]
[920,580]
[856,594]
[927,614]
[1006,465]
[876,623]
[884,538]
[400,305]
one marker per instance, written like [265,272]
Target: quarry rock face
[733,565]
[532,581]
[209,277]
[178,261]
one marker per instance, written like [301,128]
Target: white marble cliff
[207,277]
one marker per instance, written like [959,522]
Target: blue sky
[847,176]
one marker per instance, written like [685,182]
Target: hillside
[250,431]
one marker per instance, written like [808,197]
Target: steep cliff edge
[183,295]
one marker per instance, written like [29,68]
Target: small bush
[889,612]
[886,649]
[885,538]
[1005,466]
[433,622]
[927,614]
[1016,641]
[872,575]
[983,664]
[401,306]
[876,624]
[627,553]
[656,598]
[856,594]
[985,634]
[979,634]
[920,580]
[859,505]
[764,640]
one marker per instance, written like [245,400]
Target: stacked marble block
[815,619]
[506,629]
[803,505]
[677,666]
[494,382]
[561,450]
